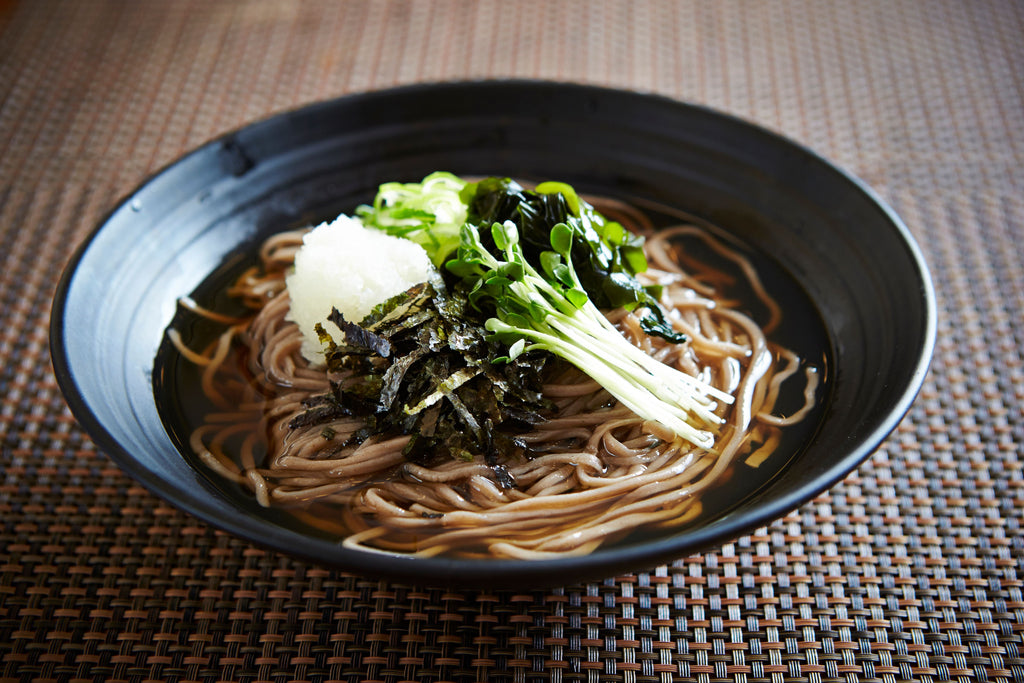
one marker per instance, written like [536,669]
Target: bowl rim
[536,572]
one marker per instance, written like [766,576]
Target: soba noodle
[599,472]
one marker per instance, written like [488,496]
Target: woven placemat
[911,569]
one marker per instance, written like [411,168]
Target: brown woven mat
[911,569]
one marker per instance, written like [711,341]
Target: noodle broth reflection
[596,473]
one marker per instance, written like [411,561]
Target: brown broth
[183,405]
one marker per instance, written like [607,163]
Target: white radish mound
[347,266]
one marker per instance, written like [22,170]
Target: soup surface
[704,253]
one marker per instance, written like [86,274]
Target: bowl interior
[844,248]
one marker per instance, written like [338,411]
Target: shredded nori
[421,364]
[360,337]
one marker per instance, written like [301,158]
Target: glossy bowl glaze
[849,252]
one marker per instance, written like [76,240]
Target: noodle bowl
[597,471]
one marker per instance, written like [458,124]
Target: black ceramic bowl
[852,256]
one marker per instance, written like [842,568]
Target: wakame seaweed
[605,255]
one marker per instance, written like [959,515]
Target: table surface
[910,569]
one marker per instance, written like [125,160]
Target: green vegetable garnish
[429,213]
[547,309]
[539,266]
[606,256]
